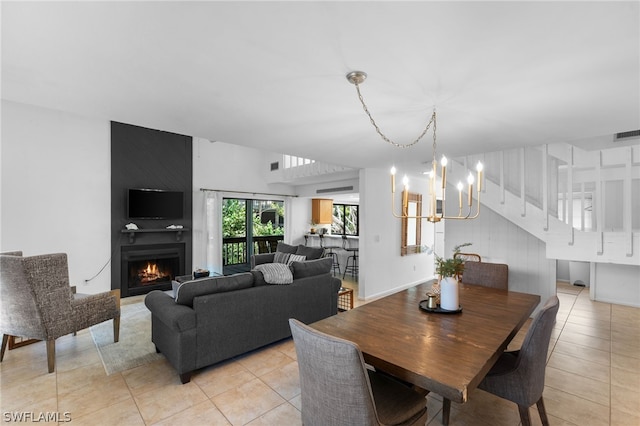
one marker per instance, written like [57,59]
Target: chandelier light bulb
[460,186]
[443,161]
[470,179]
[479,167]
[405,180]
[393,170]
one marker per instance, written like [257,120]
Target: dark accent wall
[147,158]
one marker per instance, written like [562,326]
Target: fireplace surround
[150,267]
[148,158]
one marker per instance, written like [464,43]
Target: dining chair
[485,274]
[494,275]
[37,302]
[518,376]
[338,389]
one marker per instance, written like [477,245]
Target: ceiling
[271,75]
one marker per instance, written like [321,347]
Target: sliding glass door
[248,227]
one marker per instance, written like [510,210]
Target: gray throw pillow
[310,253]
[285,248]
[280,257]
[311,267]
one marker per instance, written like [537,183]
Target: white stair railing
[583,204]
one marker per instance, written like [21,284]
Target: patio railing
[234,250]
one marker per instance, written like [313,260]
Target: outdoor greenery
[345,219]
[234,225]
[233,218]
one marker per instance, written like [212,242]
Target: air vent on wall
[275,166]
[340,189]
[625,135]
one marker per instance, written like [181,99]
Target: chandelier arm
[386,139]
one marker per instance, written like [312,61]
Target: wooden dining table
[445,353]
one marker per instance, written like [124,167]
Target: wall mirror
[411,224]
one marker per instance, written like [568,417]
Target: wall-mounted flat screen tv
[155,204]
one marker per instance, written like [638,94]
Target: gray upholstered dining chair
[338,389]
[518,376]
[485,274]
[495,275]
[37,302]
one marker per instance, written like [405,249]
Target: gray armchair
[37,302]
[337,388]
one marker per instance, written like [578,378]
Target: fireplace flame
[151,273]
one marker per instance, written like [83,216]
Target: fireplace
[150,267]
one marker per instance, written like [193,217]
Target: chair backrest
[495,275]
[36,296]
[19,313]
[532,357]
[333,379]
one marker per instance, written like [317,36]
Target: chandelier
[434,214]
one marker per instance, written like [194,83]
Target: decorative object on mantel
[357,78]
[131,226]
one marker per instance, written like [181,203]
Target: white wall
[229,168]
[382,269]
[614,283]
[498,240]
[56,189]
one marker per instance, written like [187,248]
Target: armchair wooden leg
[525,419]
[51,355]
[543,412]
[5,340]
[446,410]
[116,329]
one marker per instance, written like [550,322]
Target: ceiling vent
[626,135]
[275,166]
[339,189]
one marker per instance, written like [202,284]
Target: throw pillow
[286,248]
[296,258]
[281,257]
[310,252]
[276,273]
[312,267]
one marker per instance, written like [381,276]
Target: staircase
[585,205]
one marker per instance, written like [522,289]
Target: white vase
[449,294]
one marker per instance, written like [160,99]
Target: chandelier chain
[386,139]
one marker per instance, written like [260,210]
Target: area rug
[134,348]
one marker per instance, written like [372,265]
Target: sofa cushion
[187,291]
[311,267]
[285,248]
[310,253]
[258,277]
[276,273]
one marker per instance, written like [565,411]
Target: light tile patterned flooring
[593,378]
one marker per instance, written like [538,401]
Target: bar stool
[328,252]
[353,268]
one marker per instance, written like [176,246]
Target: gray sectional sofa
[206,321]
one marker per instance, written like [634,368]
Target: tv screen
[155,204]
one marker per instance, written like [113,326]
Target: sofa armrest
[164,308]
[259,259]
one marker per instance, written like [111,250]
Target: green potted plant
[449,270]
